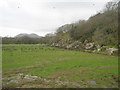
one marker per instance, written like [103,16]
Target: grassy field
[43,66]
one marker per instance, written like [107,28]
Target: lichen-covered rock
[29,77]
[89,45]
[111,50]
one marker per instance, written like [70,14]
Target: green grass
[47,62]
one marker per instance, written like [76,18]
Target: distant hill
[28,35]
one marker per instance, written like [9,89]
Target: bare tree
[112,5]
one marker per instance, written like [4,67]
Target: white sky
[43,16]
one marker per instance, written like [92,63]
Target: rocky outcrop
[22,80]
[74,45]
[111,51]
[85,46]
[90,46]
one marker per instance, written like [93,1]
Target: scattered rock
[98,49]
[92,82]
[89,45]
[29,77]
[20,76]
[111,50]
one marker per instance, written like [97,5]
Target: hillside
[101,29]
[99,32]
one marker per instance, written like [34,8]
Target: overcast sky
[43,16]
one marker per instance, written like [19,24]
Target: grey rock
[111,50]
[89,45]
[29,77]
[92,82]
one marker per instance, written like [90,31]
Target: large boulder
[111,51]
[69,46]
[89,45]
[74,45]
